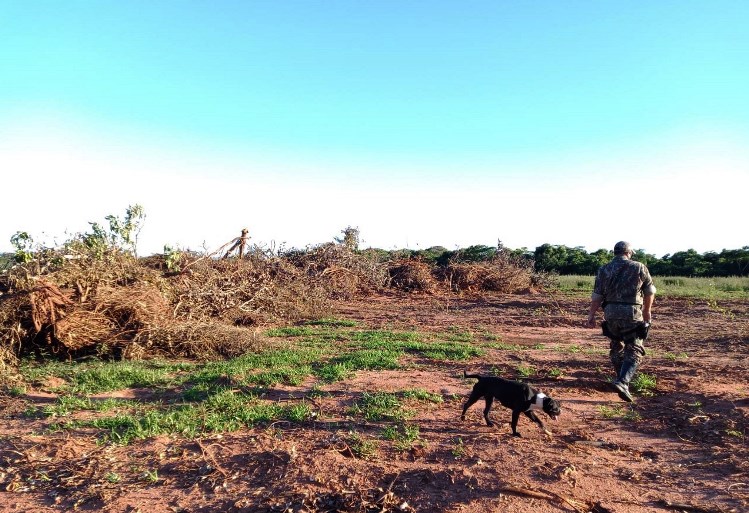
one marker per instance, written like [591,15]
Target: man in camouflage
[626,292]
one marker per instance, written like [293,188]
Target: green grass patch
[224,396]
[342,366]
[332,323]
[221,412]
[293,331]
[403,436]
[420,394]
[412,342]
[68,404]
[380,406]
[97,377]
[449,351]
[289,366]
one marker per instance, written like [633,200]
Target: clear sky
[420,122]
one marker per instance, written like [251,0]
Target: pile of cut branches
[80,299]
[412,275]
[342,271]
[501,274]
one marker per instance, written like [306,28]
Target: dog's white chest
[538,402]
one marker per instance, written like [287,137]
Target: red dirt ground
[685,448]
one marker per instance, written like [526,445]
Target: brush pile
[74,301]
[412,275]
[503,273]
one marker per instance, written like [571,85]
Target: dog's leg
[489,401]
[534,418]
[515,417]
[470,402]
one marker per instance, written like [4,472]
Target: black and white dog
[517,396]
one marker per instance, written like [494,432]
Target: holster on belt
[606,331]
[642,330]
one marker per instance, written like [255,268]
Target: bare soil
[683,448]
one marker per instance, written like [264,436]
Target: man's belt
[641,330]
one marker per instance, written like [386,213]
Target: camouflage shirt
[622,283]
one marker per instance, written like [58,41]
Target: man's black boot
[621,383]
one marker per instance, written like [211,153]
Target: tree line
[567,260]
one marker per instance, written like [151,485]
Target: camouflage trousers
[625,345]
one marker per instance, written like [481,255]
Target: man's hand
[595,304]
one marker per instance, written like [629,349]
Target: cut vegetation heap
[93,296]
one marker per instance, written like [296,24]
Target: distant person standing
[626,292]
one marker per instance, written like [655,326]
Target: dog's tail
[476,376]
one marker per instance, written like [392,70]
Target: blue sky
[421,123]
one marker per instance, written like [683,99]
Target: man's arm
[648,290]
[647,303]
[595,304]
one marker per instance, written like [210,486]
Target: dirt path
[687,444]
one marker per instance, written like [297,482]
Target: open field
[360,412]
[736,287]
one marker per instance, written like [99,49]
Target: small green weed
[608,412]
[299,412]
[422,395]
[491,337]
[677,356]
[555,373]
[456,334]
[459,450]
[644,384]
[112,477]
[17,391]
[361,448]
[501,346]
[525,371]
[403,435]
[150,476]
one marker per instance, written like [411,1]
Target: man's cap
[622,247]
